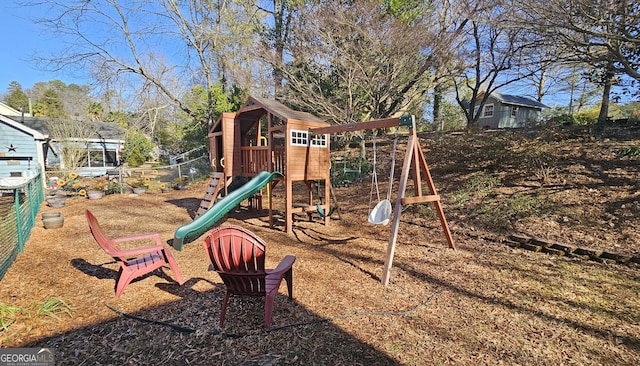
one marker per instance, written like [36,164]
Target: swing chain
[374,175]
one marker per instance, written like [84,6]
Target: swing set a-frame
[415,165]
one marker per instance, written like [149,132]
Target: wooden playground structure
[243,144]
[265,135]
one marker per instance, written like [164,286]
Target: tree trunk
[604,106]
[437,102]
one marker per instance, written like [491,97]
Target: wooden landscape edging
[541,245]
[564,250]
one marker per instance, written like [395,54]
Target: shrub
[136,158]
[140,182]
[137,148]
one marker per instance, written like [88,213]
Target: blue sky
[21,39]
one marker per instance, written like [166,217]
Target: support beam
[437,203]
[397,211]
[370,125]
[415,164]
[421,199]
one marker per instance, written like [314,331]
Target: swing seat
[381,213]
[321,212]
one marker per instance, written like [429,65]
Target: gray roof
[517,100]
[107,131]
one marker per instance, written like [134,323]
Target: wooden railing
[279,160]
[256,159]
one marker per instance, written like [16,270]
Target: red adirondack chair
[237,255]
[133,262]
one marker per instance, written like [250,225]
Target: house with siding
[28,139]
[508,111]
[22,149]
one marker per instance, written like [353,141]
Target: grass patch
[629,151]
[13,315]
[503,214]
[477,187]
[7,315]
[53,307]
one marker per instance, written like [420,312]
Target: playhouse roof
[256,107]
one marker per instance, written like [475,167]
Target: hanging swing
[345,160]
[381,213]
[319,207]
[321,210]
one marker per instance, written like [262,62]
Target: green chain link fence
[19,205]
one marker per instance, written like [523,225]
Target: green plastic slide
[205,221]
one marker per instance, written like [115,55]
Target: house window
[101,158]
[488,111]
[300,138]
[96,158]
[514,111]
[111,158]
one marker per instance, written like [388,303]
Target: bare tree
[604,34]
[76,100]
[353,61]
[276,37]
[582,92]
[592,31]
[123,39]
[72,139]
[495,55]
[545,73]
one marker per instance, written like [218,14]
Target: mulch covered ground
[484,303]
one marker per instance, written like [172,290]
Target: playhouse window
[514,111]
[319,141]
[301,138]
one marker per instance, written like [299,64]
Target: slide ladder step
[213,190]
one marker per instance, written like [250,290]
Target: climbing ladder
[216,184]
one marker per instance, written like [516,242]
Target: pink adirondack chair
[238,255]
[133,262]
